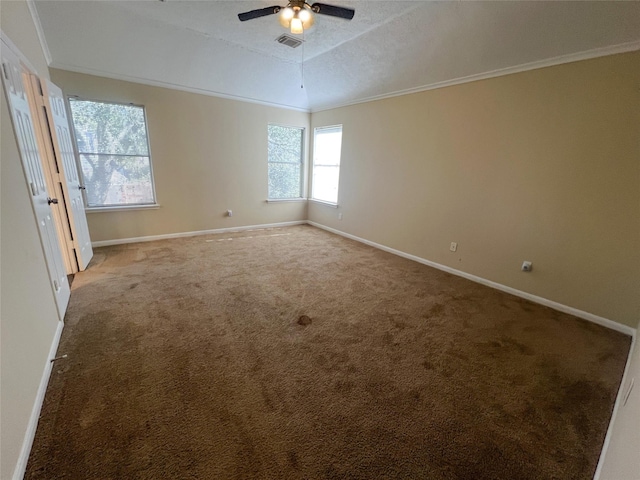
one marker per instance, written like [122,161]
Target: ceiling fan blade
[261,12]
[341,12]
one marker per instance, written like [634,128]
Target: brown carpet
[188,359]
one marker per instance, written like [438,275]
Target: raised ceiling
[389,47]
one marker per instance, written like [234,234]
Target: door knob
[81,187]
[52,200]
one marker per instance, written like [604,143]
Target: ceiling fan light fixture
[297,16]
[296,26]
[304,15]
[286,15]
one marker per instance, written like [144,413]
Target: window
[285,159]
[114,153]
[326,163]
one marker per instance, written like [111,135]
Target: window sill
[284,200]
[154,206]
[322,202]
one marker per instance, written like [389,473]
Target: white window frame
[327,128]
[111,207]
[301,197]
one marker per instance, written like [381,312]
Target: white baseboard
[30,434]
[605,322]
[616,407]
[151,238]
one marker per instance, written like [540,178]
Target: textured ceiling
[390,46]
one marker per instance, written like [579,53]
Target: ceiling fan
[297,15]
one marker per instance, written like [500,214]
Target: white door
[71,184]
[52,175]
[12,79]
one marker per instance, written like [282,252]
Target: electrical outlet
[229,213]
[340,216]
[526,266]
[453,247]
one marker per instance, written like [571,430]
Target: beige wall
[28,316]
[541,166]
[209,155]
[18,25]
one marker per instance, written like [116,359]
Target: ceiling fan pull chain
[302,63]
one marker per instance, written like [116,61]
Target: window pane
[114,153]
[117,180]
[285,151]
[285,144]
[326,163]
[327,147]
[284,180]
[109,128]
[325,183]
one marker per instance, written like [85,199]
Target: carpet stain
[436,310]
[293,459]
[344,386]
[267,398]
[304,320]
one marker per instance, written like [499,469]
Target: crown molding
[549,62]
[36,21]
[559,60]
[172,86]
